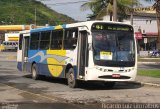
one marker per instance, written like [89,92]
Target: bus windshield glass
[113,45]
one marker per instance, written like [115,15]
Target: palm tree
[95,6]
[102,8]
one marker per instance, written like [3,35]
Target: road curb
[148,84]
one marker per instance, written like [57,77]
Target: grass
[150,72]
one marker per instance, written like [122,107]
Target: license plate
[116,75]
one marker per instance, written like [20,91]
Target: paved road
[19,88]
[148,66]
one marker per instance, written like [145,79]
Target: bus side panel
[28,67]
[19,60]
[19,66]
[52,63]
[47,63]
[43,69]
[34,56]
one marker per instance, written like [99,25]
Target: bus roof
[79,24]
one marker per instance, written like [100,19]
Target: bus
[85,51]
[10,45]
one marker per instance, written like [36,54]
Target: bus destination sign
[111,27]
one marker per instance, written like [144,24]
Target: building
[146,28]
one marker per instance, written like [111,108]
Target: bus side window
[45,40]
[56,39]
[70,38]
[34,41]
[4,43]
[7,43]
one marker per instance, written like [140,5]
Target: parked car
[155,53]
[10,45]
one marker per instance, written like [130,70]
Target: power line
[65,3]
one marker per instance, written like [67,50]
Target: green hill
[23,12]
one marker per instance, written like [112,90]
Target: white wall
[144,24]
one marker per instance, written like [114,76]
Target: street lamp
[35,16]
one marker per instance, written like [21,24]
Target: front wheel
[34,72]
[72,82]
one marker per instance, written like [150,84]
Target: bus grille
[110,77]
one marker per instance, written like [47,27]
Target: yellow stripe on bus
[13,38]
[55,67]
[58,27]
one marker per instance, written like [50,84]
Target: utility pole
[132,10]
[114,10]
[157,6]
[35,16]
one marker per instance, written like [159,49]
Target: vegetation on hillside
[23,12]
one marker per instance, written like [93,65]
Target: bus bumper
[108,74]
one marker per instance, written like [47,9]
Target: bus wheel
[72,82]
[34,72]
[109,84]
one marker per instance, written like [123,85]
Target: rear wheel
[34,72]
[72,82]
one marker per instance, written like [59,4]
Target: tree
[102,8]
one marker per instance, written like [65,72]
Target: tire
[72,82]
[34,72]
[109,84]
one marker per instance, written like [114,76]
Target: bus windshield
[113,47]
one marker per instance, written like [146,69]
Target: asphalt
[144,80]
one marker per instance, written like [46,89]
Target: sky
[73,9]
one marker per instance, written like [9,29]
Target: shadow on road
[92,85]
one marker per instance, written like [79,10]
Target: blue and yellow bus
[88,51]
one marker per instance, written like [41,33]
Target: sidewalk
[8,56]
[149,60]
[151,81]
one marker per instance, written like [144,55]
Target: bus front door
[25,53]
[82,60]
